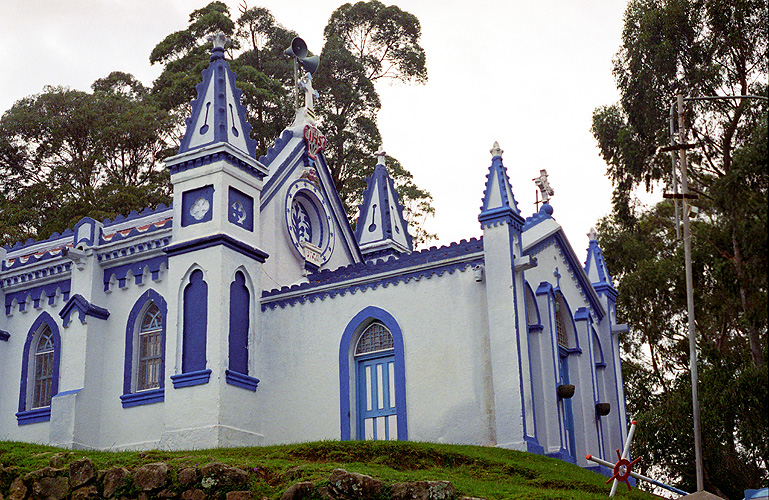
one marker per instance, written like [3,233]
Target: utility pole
[690,298]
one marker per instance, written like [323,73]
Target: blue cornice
[213,157]
[36,294]
[4,336]
[84,308]
[215,240]
[362,276]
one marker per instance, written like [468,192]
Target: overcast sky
[525,73]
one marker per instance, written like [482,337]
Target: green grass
[476,471]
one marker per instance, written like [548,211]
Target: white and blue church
[251,313]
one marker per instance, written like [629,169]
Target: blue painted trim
[131,332]
[397,269]
[195,323]
[241,380]
[282,174]
[188,200]
[34,416]
[351,332]
[4,336]
[239,324]
[83,307]
[35,293]
[132,232]
[563,454]
[143,398]
[31,241]
[119,219]
[533,446]
[67,393]
[216,240]
[91,238]
[594,255]
[44,318]
[215,157]
[191,378]
[154,264]
[247,202]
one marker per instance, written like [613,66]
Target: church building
[251,313]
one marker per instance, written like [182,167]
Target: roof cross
[380,156]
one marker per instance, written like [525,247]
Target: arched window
[145,346]
[39,371]
[240,321]
[194,333]
[43,375]
[150,349]
[376,338]
[372,380]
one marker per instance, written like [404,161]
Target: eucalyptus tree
[697,48]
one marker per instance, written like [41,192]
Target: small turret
[381,229]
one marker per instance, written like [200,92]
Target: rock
[423,490]
[350,485]
[221,475]
[166,493]
[187,476]
[194,494]
[41,473]
[18,490]
[114,478]
[50,488]
[58,461]
[81,472]
[85,493]
[151,476]
[238,495]
[299,491]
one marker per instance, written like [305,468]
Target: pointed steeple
[381,229]
[595,267]
[217,114]
[498,200]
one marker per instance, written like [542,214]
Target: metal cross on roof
[544,186]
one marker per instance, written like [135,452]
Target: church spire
[217,114]
[498,200]
[595,266]
[381,229]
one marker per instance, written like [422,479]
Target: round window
[308,222]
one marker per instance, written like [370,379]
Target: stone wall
[81,480]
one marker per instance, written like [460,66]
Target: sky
[527,74]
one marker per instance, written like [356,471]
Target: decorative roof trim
[35,294]
[215,240]
[84,308]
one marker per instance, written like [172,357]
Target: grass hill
[475,471]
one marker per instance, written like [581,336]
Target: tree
[67,154]
[695,48]
[366,42]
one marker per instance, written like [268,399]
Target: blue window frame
[145,347]
[39,371]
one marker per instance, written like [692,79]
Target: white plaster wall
[442,320]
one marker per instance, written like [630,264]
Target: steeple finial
[219,40]
[380,156]
[592,234]
[496,150]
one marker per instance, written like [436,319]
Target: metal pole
[690,299]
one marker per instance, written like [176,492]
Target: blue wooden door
[564,405]
[377,417]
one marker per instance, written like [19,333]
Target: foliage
[67,154]
[476,471]
[697,48]
[365,42]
